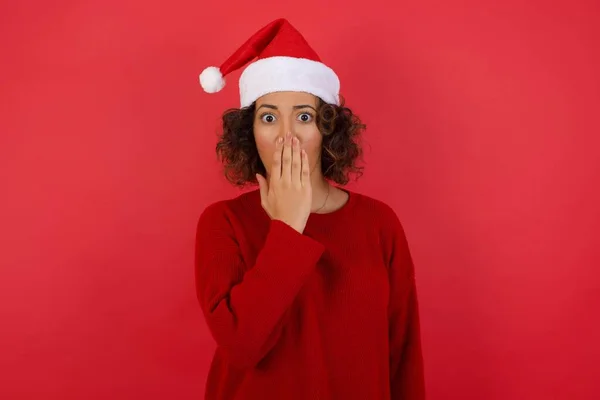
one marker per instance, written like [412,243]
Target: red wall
[483,134]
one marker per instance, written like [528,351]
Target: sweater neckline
[343,210]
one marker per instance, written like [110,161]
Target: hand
[288,194]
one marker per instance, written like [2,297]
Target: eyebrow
[271,106]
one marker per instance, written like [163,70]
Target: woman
[308,289]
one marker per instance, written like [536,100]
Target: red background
[483,134]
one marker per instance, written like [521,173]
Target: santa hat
[284,62]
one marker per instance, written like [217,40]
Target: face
[282,112]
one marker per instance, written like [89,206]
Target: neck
[320,192]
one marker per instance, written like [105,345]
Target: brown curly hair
[340,127]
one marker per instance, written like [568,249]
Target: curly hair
[340,127]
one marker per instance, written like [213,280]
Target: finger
[305,169]
[286,159]
[276,166]
[264,190]
[296,162]
[263,186]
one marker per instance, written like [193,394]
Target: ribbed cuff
[287,257]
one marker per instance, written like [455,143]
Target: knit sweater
[328,314]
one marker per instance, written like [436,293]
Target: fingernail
[280,140]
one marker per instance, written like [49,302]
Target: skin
[282,112]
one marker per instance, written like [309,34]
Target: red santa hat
[284,62]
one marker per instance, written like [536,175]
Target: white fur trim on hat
[276,74]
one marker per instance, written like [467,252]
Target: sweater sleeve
[244,305]
[406,360]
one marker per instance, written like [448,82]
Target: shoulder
[383,220]
[391,235]
[377,210]
[225,211]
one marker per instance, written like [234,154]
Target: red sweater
[328,314]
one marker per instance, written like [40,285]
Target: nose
[284,127]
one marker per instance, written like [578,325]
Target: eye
[267,118]
[305,117]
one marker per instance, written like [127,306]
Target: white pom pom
[212,80]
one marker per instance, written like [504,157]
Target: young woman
[307,288]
